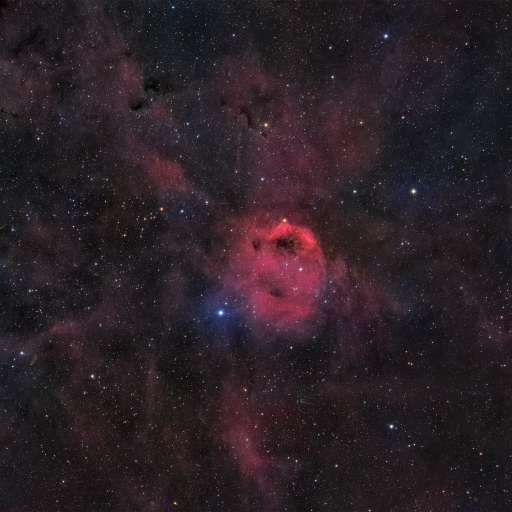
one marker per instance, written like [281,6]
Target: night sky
[255,256]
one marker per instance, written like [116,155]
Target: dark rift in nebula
[302,146]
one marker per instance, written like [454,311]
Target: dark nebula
[255,256]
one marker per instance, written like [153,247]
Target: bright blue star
[220,312]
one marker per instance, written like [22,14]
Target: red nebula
[263,434]
[279,271]
[300,147]
[238,431]
[167,176]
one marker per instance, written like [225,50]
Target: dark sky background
[255,256]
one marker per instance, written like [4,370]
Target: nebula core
[279,272]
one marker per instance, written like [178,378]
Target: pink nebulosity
[257,432]
[243,438]
[300,147]
[279,271]
[166,175]
[113,92]
[282,156]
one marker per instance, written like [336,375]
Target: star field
[255,256]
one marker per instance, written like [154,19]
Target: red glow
[279,270]
[166,175]
[251,429]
